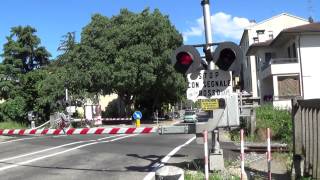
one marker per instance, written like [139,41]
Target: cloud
[224,26]
[197,30]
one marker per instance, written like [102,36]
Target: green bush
[278,120]
[14,110]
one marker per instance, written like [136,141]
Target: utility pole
[207,29]
[216,154]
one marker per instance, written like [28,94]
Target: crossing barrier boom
[80,131]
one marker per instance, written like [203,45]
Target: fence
[247,105]
[306,143]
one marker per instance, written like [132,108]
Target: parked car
[190,116]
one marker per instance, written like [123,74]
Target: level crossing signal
[227,57]
[186,59]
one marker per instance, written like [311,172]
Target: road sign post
[137,115]
[157,116]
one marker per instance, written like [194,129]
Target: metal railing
[283,60]
[278,61]
[306,142]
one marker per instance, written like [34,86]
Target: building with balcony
[262,32]
[288,65]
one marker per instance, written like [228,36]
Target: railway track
[261,148]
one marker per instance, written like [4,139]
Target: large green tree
[22,55]
[129,54]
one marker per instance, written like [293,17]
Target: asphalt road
[83,157]
[93,157]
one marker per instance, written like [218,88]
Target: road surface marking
[156,166]
[15,140]
[56,147]
[22,139]
[61,152]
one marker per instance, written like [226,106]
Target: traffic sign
[137,115]
[209,84]
[209,104]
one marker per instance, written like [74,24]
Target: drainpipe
[301,74]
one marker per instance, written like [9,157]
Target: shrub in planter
[278,120]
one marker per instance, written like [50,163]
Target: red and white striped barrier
[242,153]
[102,119]
[206,162]
[116,119]
[98,121]
[269,153]
[82,131]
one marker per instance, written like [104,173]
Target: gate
[306,142]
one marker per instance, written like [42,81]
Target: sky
[54,18]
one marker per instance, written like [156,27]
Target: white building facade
[257,33]
[288,65]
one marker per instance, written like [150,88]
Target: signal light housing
[228,56]
[186,59]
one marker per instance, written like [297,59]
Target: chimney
[310,19]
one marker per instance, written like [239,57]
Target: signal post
[211,86]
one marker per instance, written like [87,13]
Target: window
[267,57]
[289,52]
[257,66]
[260,32]
[294,50]
[255,39]
[288,86]
[270,34]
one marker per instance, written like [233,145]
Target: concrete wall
[283,104]
[105,100]
[310,59]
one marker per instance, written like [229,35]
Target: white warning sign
[208,84]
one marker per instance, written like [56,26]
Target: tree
[22,50]
[22,55]
[132,52]
[68,43]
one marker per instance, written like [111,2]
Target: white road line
[61,152]
[15,140]
[22,139]
[151,174]
[53,148]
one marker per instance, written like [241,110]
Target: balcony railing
[278,61]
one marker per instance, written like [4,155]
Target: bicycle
[62,122]
[86,123]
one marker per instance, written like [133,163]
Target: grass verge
[195,171]
[12,125]
[198,175]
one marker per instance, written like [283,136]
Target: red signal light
[226,58]
[184,58]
